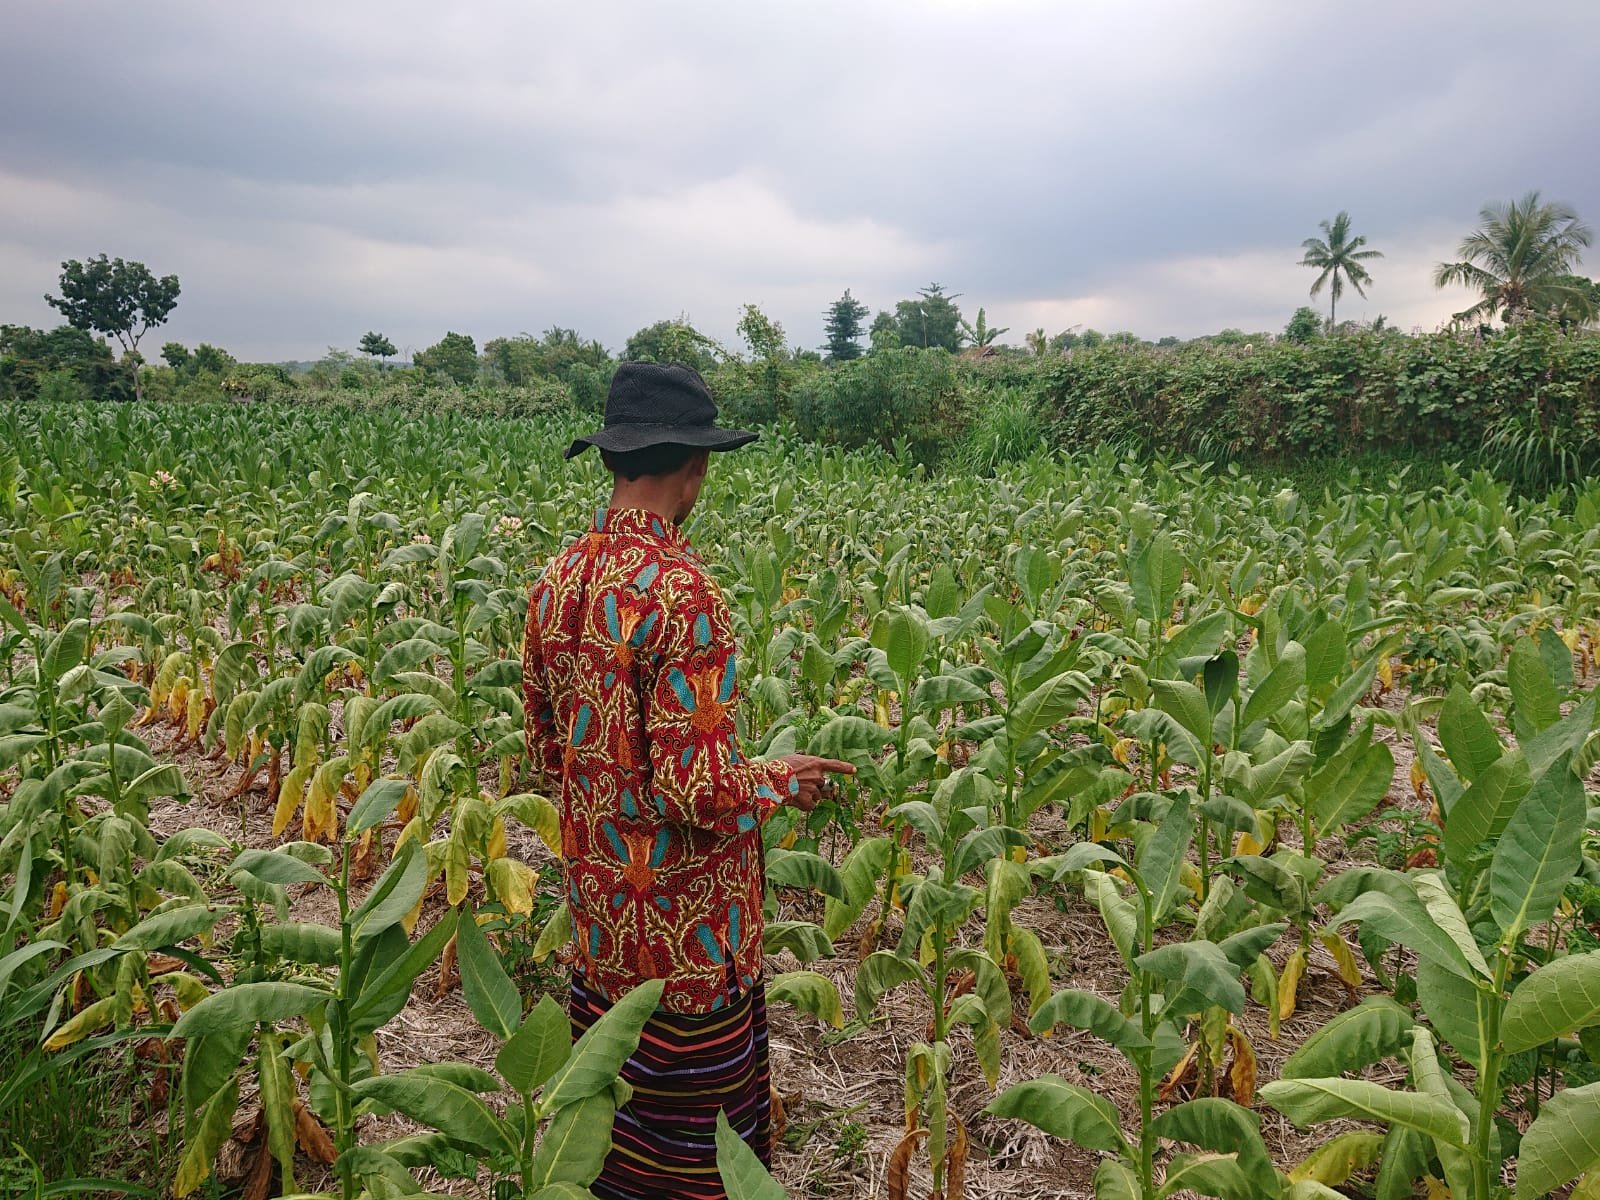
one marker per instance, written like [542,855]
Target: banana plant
[553,1140]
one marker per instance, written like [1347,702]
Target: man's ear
[701,463]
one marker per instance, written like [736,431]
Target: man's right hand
[812,773]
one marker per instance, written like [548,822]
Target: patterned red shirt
[630,681]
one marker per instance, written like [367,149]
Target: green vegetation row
[1163,699]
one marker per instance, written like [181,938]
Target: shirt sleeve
[539,719]
[699,775]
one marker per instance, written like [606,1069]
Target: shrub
[891,398]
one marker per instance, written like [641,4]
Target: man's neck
[646,493]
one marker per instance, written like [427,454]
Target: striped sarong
[687,1068]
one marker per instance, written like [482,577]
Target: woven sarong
[686,1070]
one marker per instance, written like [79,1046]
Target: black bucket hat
[653,404]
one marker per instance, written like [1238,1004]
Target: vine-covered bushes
[1456,396]
[893,398]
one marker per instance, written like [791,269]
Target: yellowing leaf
[497,840]
[1289,984]
[290,793]
[1242,1074]
[513,882]
[100,1013]
[1333,1162]
[1344,957]
[1247,844]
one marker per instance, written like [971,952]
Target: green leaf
[1487,805]
[274,866]
[1350,783]
[878,973]
[574,1144]
[307,943]
[743,1176]
[1451,1004]
[537,1049]
[941,692]
[1334,1162]
[1562,1144]
[1162,858]
[246,1004]
[1115,1180]
[1198,966]
[394,895]
[1049,704]
[804,940]
[1186,704]
[206,1139]
[489,992]
[1155,574]
[1082,1010]
[438,1104]
[809,992]
[1208,1175]
[1398,915]
[1539,851]
[1120,917]
[1559,998]
[376,803]
[803,869]
[171,927]
[1064,1110]
[1280,686]
[1376,1028]
[1308,1101]
[843,737]
[381,997]
[599,1054]
[1466,735]
[1225,1127]
[1536,705]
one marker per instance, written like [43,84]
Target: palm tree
[1522,260]
[1339,259]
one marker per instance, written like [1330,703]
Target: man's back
[631,683]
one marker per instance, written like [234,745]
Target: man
[630,683]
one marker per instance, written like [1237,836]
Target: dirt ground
[844,1095]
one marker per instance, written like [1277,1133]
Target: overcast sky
[314,170]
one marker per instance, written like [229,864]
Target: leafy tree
[1338,260]
[1583,306]
[119,299]
[844,327]
[930,320]
[981,334]
[30,358]
[1521,261]
[770,351]
[673,341]
[1303,326]
[525,360]
[454,356]
[1038,342]
[211,358]
[175,355]
[885,333]
[375,345]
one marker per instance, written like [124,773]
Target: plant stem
[344,1132]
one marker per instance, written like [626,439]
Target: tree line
[1522,261]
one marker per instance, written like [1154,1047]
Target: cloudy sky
[314,170]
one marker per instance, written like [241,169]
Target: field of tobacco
[1207,838]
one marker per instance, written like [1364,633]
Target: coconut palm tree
[1521,260]
[1339,260]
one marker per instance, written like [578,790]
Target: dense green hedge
[1456,396]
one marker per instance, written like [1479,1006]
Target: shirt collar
[640,523]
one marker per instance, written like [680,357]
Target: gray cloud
[314,170]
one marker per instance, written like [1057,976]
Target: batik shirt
[630,684]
